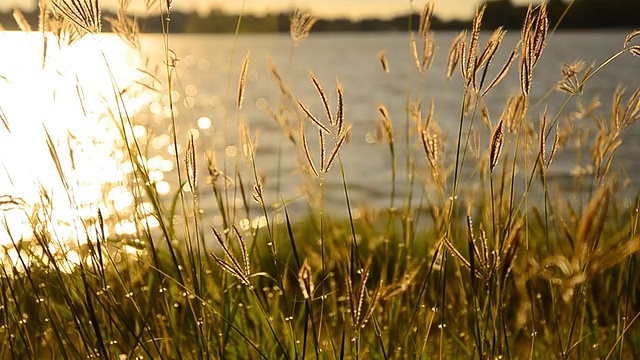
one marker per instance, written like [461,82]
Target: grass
[492,274]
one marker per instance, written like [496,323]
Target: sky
[445,9]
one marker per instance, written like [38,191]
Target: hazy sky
[446,9]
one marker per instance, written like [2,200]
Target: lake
[207,69]
[206,89]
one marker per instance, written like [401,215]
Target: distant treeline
[582,14]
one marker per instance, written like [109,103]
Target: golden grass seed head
[486,117]
[43,16]
[525,75]
[339,121]
[533,39]
[540,35]
[323,97]
[462,54]
[258,193]
[124,26]
[497,140]
[373,301]
[415,114]
[233,267]
[242,82]
[360,295]
[276,74]
[386,123]
[313,119]
[65,32]
[503,71]
[632,35]
[591,224]
[243,249]
[473,45]
[300,26]
[246,144]
[382,58]
[336,148]
[635,50]
[414,52]
[305,280]
[307,152]
[542,137]
[490,49]
[454,53]
[323,151]
[425,20]
[86,14]
[22,22]
[428,54]
[191,165]
[554,148]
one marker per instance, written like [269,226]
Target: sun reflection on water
[62,153]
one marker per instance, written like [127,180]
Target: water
[204,66]
[204,94]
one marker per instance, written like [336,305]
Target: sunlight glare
[61,154]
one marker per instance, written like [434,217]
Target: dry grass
[498,277]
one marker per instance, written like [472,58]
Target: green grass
[495,276]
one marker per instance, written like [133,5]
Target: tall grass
[493,275]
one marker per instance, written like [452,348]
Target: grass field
[493,276]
